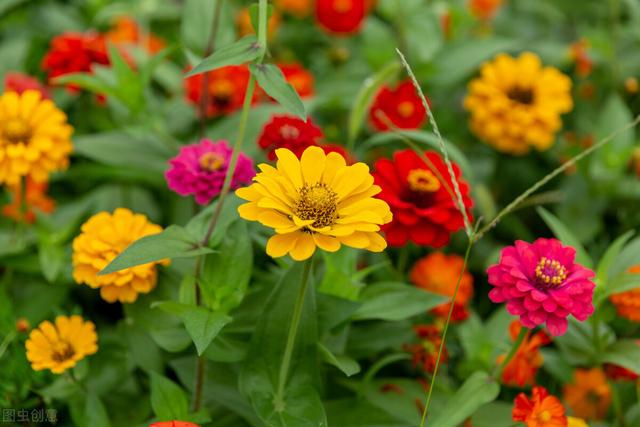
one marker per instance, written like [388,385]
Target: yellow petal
[333,164]
[359,240]
[312,164]
[327,243]
[303,248]
[280,244]
[289,165]
[274,219]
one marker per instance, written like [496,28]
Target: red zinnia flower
[619,373]
[74,53]
[423,207]
[289,132]
[425,354]
[225,90]
[342,17]
[19,82]
[400,106]
[300,78]
[541,410]
[522,369]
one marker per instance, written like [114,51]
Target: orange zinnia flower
[425,354]
[484,9]
[298,77]
[127,31]
[589,396]
[541,410]
[628,303]
[438,273]
[297,8]
[35,198]
[522,369]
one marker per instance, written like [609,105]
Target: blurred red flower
[288,132]
[341,17]
[225,90]
[423,207]
[425,354]
[300,78]
[74,53]
[401,106]
[19,82]
[521,370]
[484,9]
[539,410]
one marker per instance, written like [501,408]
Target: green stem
[8,339]
[291,338]
[444,333]
[514,349]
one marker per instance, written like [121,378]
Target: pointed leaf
[395,301]
[240,52]
[271,79]
[346,364]
[168,399]
[173,242]
[625,353]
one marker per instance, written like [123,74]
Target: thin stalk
[443,148]
[291,338]
[560,169]
[8,339]
[514,349]
[204,89]
[444,333]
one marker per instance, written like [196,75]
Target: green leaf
[363,100]
[615,155]
[168,399]
[173,242]
[621,283]
[479,389]
[226,273]
[625,353]
[129,85]
[196,24]
[202,324]
[395,301]
[612,252]
[240,52]
[91,82]
[173,340]
[271,79]
[301,405]
[95,414]
[53,259]
[254,14]
[346,364]
[566,236]
[458,61]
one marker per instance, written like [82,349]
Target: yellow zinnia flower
[104,236]
[516,104]
[315,201]
[576,422]
[35,138]
[59,347]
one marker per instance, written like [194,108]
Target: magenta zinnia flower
[200,169]
[540,282]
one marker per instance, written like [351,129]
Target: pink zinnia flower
[540,282]
[200,169]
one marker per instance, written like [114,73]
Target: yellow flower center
[16,130]
[406,109]
[317,202]
[211,162]
[342,6]
[550,272]
[521,95]
[289,132]
[423,181]
[62,351]
[545,416]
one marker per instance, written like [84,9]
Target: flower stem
[514,349]
[291,338]
[444,332]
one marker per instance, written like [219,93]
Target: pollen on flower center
[550,272]
[406,109]
[62,351]
[545,416]
[15,131]
[423,181]
[317,202]
[211,162]
[520,95]
[342,5]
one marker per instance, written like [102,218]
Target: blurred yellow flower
[317,201]
[576,422]
[104,236]
[35,138]
[59,347]
[516,104]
